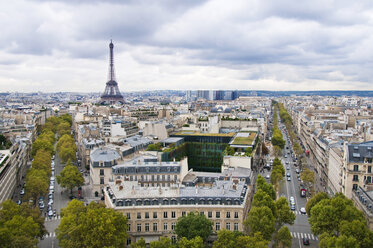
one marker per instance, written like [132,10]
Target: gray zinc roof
[104,154]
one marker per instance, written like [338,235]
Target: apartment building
[153,209]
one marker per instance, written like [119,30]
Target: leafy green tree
[327,214]
[154,147]
[307,176]
[49,135]
[63,128]
[276,161]
[283,238]
[42,161]
[37,184]
[261,198]
[261,219]
[4,142]
[42,144]
[229,151]
[139,244]
[314,200]
[66,117]
[91,226]
[226,239]
[330,241]
[65,140]
[70,177]
[266,187]
[196,242]
[164,242]
[193,225]
[18,227]
[284,214]
[66,154]
[255,241]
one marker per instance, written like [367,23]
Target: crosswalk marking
[50,235]
[53,218]
[297,235]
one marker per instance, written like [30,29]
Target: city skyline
[53,46]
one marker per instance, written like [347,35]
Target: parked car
[268,176]
[289,179]
[50,213]
[19,202]
[303,211]
[288,174]
[55,213]
[41,205]
[50,202]
[22,192]
[292,206]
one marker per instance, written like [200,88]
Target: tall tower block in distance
[112,94]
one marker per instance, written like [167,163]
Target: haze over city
[62,45]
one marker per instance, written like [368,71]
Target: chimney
[160,190]
[197,189]
[133,190]
[223,191]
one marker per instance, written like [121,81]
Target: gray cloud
[286,44]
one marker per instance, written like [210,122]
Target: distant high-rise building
[112,94]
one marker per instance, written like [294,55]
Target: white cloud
[217,44]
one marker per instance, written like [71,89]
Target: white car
[289,179]
[291,198]
[268,176]
[303,211]
[50,213]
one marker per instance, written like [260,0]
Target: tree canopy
[283,238]
[91,226]
[261,219]
[70,177]
[193,225]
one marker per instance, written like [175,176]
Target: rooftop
[104,155]
[194,133]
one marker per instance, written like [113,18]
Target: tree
[139,244]
[91,226]
[255,241]
[283,238]
[63,128]
[196,242]
[266,187]
[37,184]
[42,161]
[261,219]
[154,147]
[327,214]
[307,176]
[284,214]
[18,227]
[193,225]
[164,242]
[65,140]
[67,153]
[314,200]
[4,143]
[330,241]
[261,198]
[226,239]
[42,144]
[70,177]
[229,151]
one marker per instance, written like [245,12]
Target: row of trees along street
[22,226]
[268,216]
[277,140]
[338,222]
[307,176]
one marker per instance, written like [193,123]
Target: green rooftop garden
[244,140]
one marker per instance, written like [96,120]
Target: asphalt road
[301,227]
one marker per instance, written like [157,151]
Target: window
[146,215]
[138,216]
[355,178]
[356,167]
[236,215]
[154,215]
[128,216]
[369,169]
[217,226]
[183,213]
[102,172]
[165,226]
[155,227]
[173,239]
[228,226]
[102,180]
[165,215]
[209,214]
[173,224]
[128,241]
[202,213]
[228,215]
[369,179]
[146,227]
[138,227]
[354,186]
[217,215]
[128,227]
[235,226]
[173,214]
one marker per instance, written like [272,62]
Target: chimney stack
[197,189]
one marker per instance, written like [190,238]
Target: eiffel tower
[112,94]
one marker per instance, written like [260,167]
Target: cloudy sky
[62,45]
